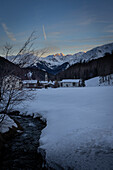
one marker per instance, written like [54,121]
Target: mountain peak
[59,54]
[52,62]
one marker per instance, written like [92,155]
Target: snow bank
[93,82]
[6,124]
[79,127]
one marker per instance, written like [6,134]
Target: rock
[16,113]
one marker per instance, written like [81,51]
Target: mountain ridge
[59,62]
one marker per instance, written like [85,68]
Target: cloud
[45,37]
[54,33]
[91,39]
[110,31]
[109,28]
[86,22]
[9,34]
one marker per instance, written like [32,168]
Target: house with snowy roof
[71,83]
[47,83]
[30,83]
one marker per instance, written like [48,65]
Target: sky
[67,26]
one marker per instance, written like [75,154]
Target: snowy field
[79,131]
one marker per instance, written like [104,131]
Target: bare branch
[12,94]
[2,118]
[7,49]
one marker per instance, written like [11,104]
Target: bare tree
[2,117]
[10,95]
[41,52]
[7,49]
[26,51]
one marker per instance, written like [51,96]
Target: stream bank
[20,152]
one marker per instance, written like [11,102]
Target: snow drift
[79,131]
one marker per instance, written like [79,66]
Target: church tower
[46,77]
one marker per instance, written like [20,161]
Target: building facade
[70,83]
[30,83]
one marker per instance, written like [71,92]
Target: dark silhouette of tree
[9,94]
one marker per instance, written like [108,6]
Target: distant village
[15,82]
[19,84]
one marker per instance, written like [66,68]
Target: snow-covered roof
[70,81]
[44,82]
[51,82]
[29,81]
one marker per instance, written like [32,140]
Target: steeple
[46,77]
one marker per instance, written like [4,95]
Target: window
[73,84]
[13,86]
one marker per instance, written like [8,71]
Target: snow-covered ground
[79,131]
[99,81]
[6,124]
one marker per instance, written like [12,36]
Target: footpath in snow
[79,131]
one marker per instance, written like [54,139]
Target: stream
[21,151]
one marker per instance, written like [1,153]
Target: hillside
[7,67]
[96,62]
[100,81]
[96,67]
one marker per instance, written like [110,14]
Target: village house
[71,83]
[46,84]
[43,83]
[30,83]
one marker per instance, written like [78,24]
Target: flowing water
[21,151]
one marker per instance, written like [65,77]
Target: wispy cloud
[90,40]
[86,21]
[109,28]
[45,37]
[54,33]
[9,34]
[110,31]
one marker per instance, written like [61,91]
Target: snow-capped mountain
[53,61]
[58,62]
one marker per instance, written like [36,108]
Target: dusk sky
[66,26]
